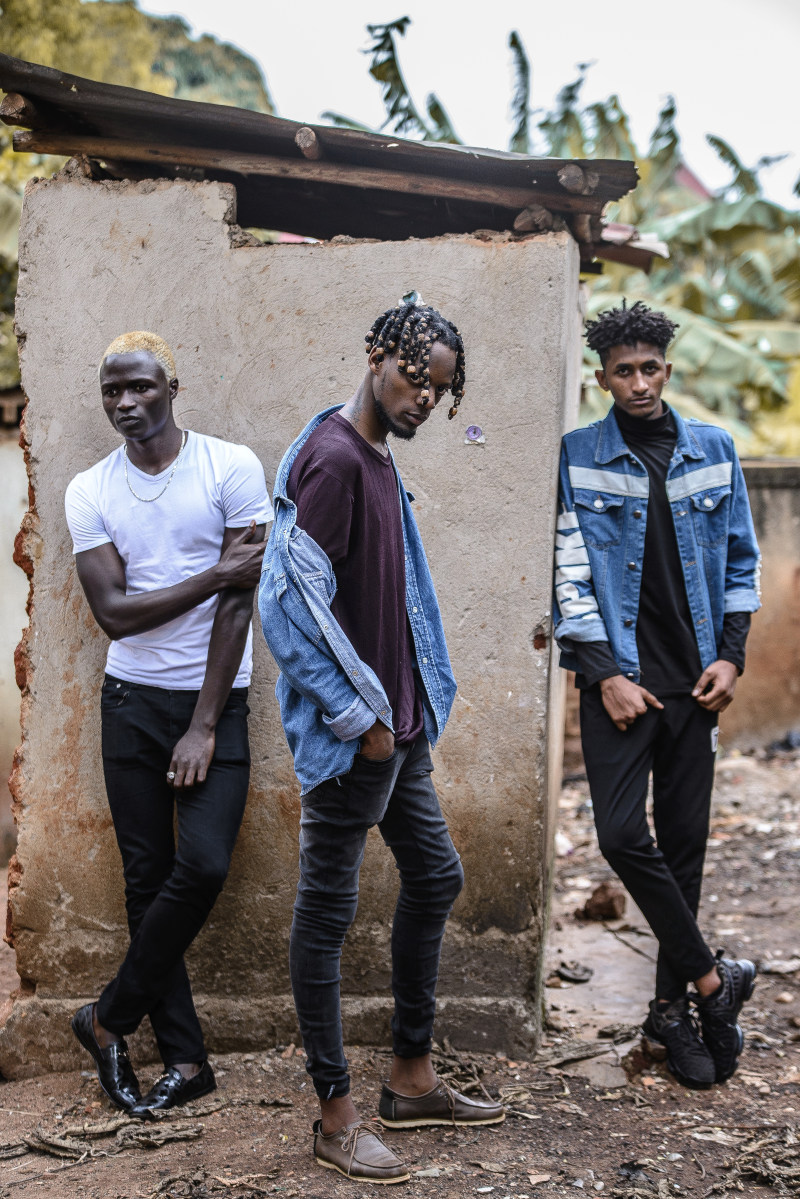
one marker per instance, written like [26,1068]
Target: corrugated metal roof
[349,182]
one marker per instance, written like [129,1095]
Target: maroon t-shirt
[347,500]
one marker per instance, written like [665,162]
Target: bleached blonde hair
[133,343]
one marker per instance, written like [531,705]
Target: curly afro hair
[628,327]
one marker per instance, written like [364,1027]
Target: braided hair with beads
[410,331]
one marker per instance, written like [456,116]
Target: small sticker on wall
[474,436]
[714,739]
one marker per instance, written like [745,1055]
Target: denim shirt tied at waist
[600,531]
[328,697]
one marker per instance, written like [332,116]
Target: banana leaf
[520,141]
[10,208]
[717,217]
[402,114]
[778,339]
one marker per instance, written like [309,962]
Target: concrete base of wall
[36,1037]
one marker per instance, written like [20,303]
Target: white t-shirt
[216,485]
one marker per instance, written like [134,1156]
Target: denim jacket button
[631,566]
[708,502]
[631,675]
[637,514]
[628,623]
[598,503]
[413,609]
[424,661]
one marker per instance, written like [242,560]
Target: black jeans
[168,893]
[398,796]
[663,876]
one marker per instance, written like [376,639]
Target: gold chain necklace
[149,499]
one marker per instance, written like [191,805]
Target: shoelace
[350,1140]
[691,1032]
[451,1100]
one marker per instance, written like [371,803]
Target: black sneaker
[719,1013]
[675,1028]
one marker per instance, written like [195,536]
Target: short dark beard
[389,426]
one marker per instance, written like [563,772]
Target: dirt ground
[590,1115]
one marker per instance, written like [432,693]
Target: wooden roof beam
[19,110]
[504,196]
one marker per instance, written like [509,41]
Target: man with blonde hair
[168,537]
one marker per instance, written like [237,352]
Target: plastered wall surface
[264,336]
[767,703]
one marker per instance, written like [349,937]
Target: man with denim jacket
[349,611]
[657,573]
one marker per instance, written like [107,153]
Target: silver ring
[170,775]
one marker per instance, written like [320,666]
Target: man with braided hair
[657,573]
[168,535]
[350,614]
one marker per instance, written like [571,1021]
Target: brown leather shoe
[359,1153]
[442,1105]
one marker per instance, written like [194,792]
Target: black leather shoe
[114,1068]
[172,1089]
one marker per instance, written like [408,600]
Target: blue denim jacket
[328,697]
[602,516]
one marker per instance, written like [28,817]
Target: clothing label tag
[714,739]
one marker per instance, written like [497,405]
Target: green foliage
[9,364]
[745,179]
[402,114]
[520,142]
[109,41]
[563,130]
[734,265]
[113,41]
[205,69]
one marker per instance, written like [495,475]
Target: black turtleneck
[667,647]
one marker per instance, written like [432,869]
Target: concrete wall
[767,703]
[13,594]
[264,336]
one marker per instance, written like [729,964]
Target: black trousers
[664,875]
[169,890]
[398,797]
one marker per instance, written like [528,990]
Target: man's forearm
[102,575]
[120,615]
[225,648]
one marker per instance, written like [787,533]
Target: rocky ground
[590,1115]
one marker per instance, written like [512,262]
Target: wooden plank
[17,110]
[308,143]
[302,170]
[113,112]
